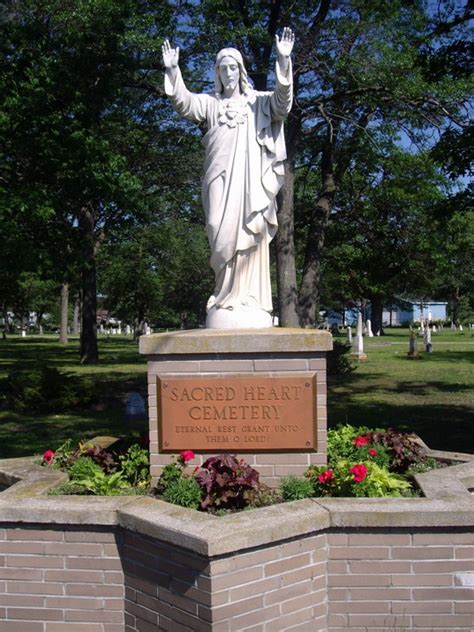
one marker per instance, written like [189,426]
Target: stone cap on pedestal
[271,340]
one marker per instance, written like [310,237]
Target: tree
[79,126]
[381,240]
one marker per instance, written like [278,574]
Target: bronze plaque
[245,413]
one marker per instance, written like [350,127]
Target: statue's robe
[243,171]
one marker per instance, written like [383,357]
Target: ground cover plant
[361,463]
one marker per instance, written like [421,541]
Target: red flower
[359,471]
[48,457]
[187,455]
[360,441]
[372,452]
[326,477]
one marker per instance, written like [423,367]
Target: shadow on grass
[31,352]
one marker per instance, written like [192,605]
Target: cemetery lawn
[432,396]
[121,371]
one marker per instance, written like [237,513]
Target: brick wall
[278,587]
[400,580]
[272,467]
[60,580]
[106,579]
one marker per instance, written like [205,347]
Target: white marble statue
[243,171]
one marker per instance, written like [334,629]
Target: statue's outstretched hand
[170,55]
[285,45]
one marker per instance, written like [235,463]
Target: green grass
[432,396]
[121,370]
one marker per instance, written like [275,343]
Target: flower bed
[361,463]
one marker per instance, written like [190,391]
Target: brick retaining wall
[89,564]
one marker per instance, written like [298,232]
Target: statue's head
[228,62]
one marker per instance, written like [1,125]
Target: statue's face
[229,73]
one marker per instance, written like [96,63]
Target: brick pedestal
[218,356]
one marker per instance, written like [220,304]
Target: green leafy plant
[135,466]
[83,468]
[101,484]
[354,444]
[294,488]
[228,483]
[185,492]
[173,471]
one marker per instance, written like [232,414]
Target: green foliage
[83,468]
[184,491]
[339,361]
[46,389]
[135,466]
[101,484]
[171,473]
[294,488]
[380,482]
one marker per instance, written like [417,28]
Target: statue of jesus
[243,172]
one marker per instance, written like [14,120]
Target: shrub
[402,446]
[185,492]
[227,483]
[294,488]
[354,444]
[339,360]
[45,389]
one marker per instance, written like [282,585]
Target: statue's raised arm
[170,59]
[284,47]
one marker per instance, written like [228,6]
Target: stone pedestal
[260,393]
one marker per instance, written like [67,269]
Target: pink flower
[372,452]
[360,441]
[48,457]
[359,471]
[326,476]
[187,455]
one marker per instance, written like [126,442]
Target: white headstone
[460,328]
[349,334]
[23,333]
[427,340]
[128,330]
[369,328]
[434,329]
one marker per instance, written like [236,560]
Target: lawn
[432,396]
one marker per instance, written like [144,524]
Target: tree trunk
[309,292]
[75,318]
[285,253]
[377,314]
[456,305]
[89,351]
[63,339]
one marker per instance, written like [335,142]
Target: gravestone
[358,347]
[427,340]
[412,351]
[369,328]
[349,334]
